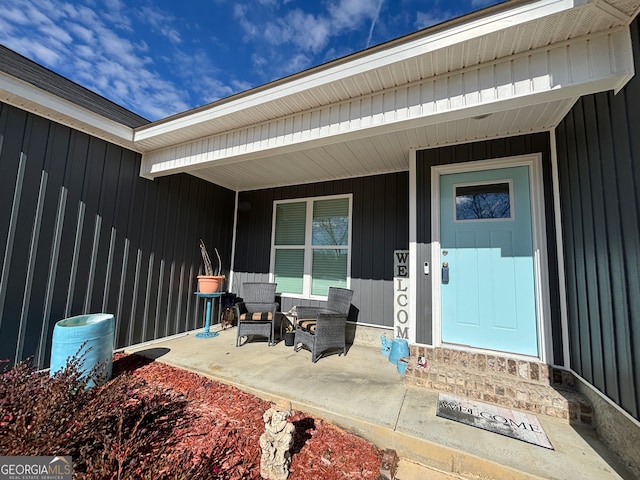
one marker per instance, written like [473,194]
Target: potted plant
[212,279]
[289,335]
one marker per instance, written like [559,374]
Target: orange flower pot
[210,283]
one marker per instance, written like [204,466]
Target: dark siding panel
[11,179]
[599,168]
[627,286]
[121,287]
[599,355]
[579,290]
[254,231]
[102,258]
[564,147]
[380,225]
[52,175]
[504,147]
[27,232]
[87,234]
[424,325]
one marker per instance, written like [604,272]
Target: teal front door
[487,265]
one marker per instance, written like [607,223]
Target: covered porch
[371,125]
[364,393]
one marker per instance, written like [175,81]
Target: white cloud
[84,34]
[93,44]
[213,89]
[297,63]
[240,85]
[44,54]
[309,33]
[350,14]
[240,13]
[427,19]
[15,15]
[162,23]
[57,34]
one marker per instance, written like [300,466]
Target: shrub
[122,429]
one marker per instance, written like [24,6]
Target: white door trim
[536,185]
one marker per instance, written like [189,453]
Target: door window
[485,201]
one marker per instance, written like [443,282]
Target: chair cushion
[308,324]
[264,316]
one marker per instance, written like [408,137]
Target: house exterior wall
[81,232]
[489,149]
[598,146]
[379,226]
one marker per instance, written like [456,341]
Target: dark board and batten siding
[489,149]
[81,232]
[380,224]
[599,168]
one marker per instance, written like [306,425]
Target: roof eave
[465,28]
[27,97]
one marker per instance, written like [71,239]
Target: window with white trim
[311,245]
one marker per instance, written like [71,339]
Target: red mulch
[224,420]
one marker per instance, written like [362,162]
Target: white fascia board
[40,102]
[438,40]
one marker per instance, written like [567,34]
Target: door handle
[445,273]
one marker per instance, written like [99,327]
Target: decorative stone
[523,370]
[388,465]
[534,371]
[276,442]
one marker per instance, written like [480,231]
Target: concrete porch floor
[362,392]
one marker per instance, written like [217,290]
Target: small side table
[208,298]
[289,318]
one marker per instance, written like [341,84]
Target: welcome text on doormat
[511,423]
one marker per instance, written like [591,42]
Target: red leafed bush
[153,421]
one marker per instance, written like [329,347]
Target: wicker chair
[256,314]
[321,329]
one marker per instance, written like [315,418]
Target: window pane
[289,270]
[331,222]
[329,269]
[290,223]
[475,202]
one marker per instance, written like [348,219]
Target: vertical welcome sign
[401,294]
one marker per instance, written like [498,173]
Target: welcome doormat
[511,423]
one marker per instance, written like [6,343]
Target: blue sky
[162,57]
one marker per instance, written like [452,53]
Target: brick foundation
[523,385]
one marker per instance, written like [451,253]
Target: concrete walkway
[362,392]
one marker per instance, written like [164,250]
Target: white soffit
[385,153]
[32,99]
[498,32]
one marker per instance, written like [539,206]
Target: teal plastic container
[69,335]
[399,348]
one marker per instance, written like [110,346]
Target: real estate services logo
[35,468]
